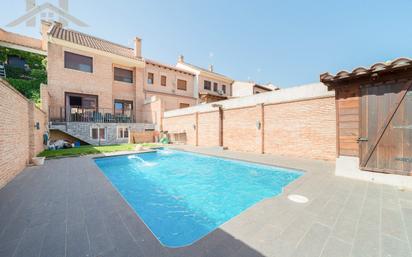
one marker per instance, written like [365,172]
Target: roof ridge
[204,69]
[154,62]
[97,38]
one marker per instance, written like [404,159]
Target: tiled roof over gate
[397,64]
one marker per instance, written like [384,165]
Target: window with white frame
[98,133]
[122,132]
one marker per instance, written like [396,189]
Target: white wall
[283,95]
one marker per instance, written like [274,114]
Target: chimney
[211,67]
[137,47]
[58,24]
[45,27]
[181,59]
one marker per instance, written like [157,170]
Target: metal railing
[82,114]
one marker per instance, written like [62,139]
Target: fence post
[197,129]
[221,126]
[260,126]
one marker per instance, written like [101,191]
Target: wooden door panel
[386,121]
[407,131]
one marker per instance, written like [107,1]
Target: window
[181,84]
[207,85]
[224,89]
[16,62]
[150,78]
[122,107]
[163,80]
[98,133]
[95,133]
[215,87]
[123,75]
[122,132]
[102,133]
[78,62]
[184,105]
[78,103]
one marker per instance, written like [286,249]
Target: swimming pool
[182,196]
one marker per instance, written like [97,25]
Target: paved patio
[68,208]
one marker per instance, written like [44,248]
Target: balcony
[84,114]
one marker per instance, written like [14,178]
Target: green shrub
[28,81]
[29,88]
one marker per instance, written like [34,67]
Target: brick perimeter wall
[19,140]
[239,129]
[182,124]
[304,128]
[208,125]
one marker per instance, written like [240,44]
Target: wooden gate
[386,128]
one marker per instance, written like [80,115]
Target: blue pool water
[182,196]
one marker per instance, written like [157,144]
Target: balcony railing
[81,114]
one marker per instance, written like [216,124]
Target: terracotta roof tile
[361,71]
[91,42]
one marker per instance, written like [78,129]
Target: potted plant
[38,161]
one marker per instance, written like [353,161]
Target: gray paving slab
[392,247]
[336,248]
[68,208]
[313,242]
[392,223]
[31,242]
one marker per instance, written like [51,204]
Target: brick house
[209,86]
[98,90]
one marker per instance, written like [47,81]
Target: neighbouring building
[374,121]
[172,85]
[209,86]
[20,42]
[244,88]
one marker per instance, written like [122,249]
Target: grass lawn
[89,149]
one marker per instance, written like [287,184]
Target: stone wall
[82,131]
[296,122]
[20,140]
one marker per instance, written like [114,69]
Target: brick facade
[208,126]
[239,129]
[182,124]
[100,82]
[303,128]
[19,139]
[170,94]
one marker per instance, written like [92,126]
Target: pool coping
[215,156]
[239,159]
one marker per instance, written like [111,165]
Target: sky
[286,42]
